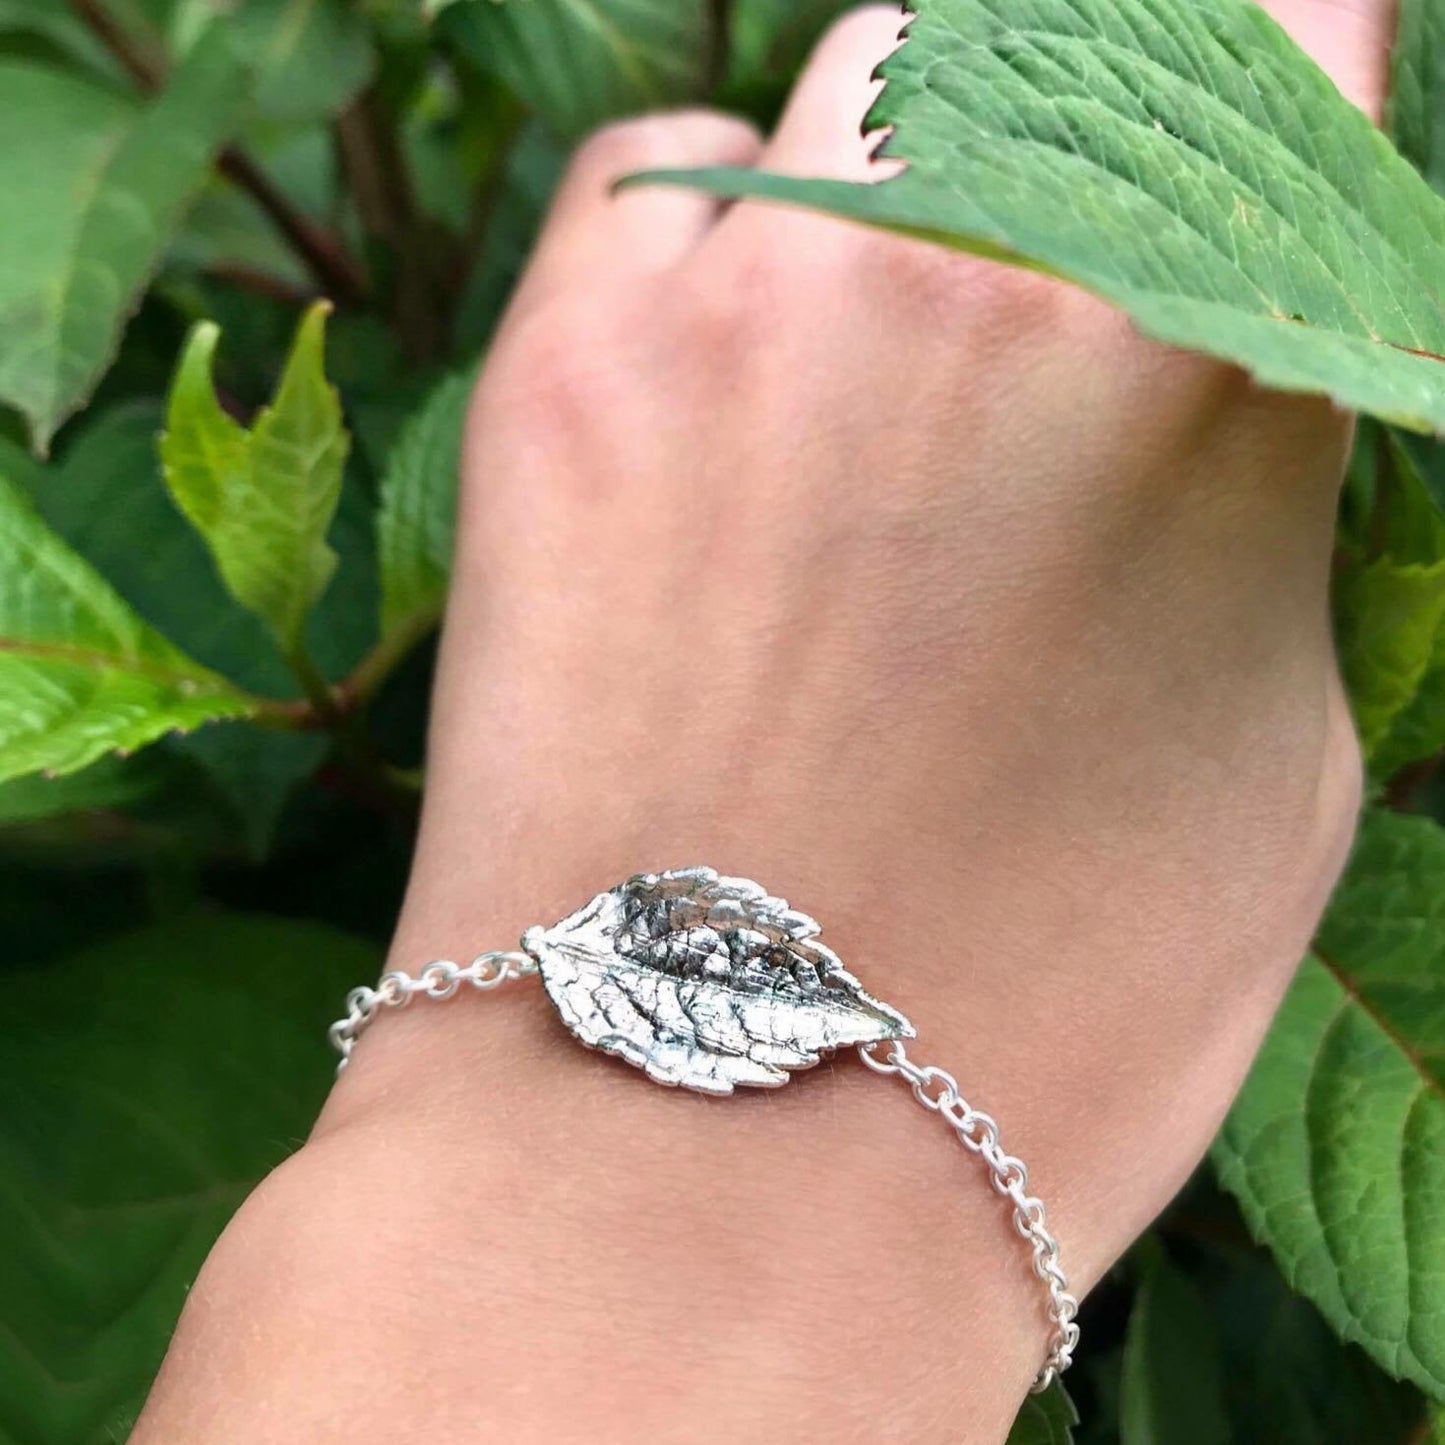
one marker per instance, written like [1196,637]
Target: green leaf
[417,517]
[1046,1419]
[579,63]
[92,187]
[1173,1388]
[1336,1147]
[80,674]
[312,57]
[1287,1378]
[533,168]
[1416,115]
[159,563]
[1186,162]
[62,32]
[770,39]
[108,783]
[1390,612]
[261,498]
[131,1126]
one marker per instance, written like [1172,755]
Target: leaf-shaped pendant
[704,981]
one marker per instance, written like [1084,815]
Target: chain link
[937,1090]
[439,979]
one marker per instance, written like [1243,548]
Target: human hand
[931,596]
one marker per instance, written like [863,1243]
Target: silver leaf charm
[704,982]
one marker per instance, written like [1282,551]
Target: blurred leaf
[1287,1378]
[90,189]
[66,36]
[1188,163]
[416,521]
[107,783]
[1173,1390]
[580,65]
[131,1126]
[1046,1419]
[1390,621]
[311,56]
[80,674]
[1416,113]
[261,498]
[1390,613]
[1336,1147]
[532,171]
[772,38]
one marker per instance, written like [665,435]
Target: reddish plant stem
[324,253]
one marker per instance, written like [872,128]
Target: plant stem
[322,250]
[324,702]
[334,706]
[719,42]
[381,183]
[369,675]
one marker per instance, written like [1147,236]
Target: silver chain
[934,1088]
[439,979]
[937,1090]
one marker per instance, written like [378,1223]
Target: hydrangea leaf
[1172,1387]
[262,498]
[131,1128]
[1046,1419]
[1336,1146]
[1187,162]
[1390,619]
[81,675]
[417,516]
[579,63]
[91,187]
[1416,117]
[161,566]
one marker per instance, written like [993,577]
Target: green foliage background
[251,252]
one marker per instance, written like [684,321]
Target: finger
[595,235]
[821,132]
[1349,39]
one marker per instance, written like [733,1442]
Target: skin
[928,593]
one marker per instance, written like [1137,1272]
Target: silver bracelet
[706,982]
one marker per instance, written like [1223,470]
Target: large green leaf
[417,517]
[264,498]
[1183,159]
[1172,1385]
[579,63]
[1336,1147]
[90,189]
[80,674]
[1046,1419]
[1417,87]
[131,1126]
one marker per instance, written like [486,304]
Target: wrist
[480,1190]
